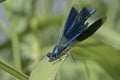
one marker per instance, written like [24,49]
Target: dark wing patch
[91,29]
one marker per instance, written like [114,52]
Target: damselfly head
[51,56]
[55,53]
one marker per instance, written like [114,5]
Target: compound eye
[48,55]
[51,56]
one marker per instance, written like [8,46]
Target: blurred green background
[29,29]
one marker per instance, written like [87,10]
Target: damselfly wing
[75,30]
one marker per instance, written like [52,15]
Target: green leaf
[106,56]
[46,70]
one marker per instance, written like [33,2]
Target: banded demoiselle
[76,29]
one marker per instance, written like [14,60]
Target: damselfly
[75,30]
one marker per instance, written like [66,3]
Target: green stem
[13,72]
[15,47]
[33,26]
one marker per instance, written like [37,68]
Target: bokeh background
[29,29]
